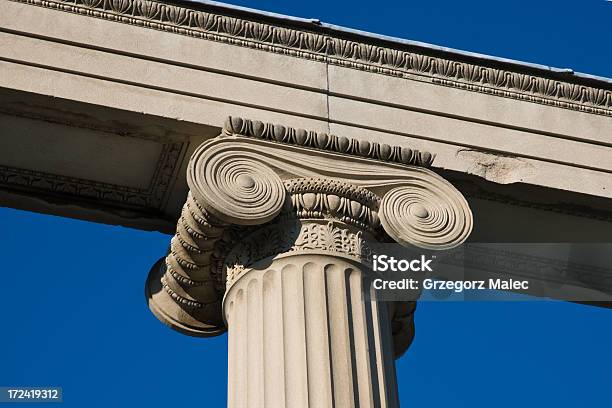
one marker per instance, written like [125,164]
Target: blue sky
[72,303]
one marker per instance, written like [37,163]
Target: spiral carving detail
[427,212]
[235,188]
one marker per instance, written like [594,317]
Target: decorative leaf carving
[446,68]
[92,3]
[286,37]
[260,32]
[147,9]
[396,59]
[314,42]
[521,81]
[120,6]
[343,48]
[498,77]
[368,53]
[472,73]
[597,96]
[176,15]
[570,91]
[547,86]
[233,26]
[420,63]
[205,21]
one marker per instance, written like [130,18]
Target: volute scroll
[427,212]
[235,188]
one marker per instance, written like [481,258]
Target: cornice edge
[400,61]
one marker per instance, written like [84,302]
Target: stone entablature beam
[557,135]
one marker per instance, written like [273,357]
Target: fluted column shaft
[303,334]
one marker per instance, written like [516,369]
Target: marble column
[303,334]
[274,245]
[304,330]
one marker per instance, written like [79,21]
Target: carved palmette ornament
[261,190]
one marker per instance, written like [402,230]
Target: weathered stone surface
[123,93]
[275,242]
[301,332]
[197,65]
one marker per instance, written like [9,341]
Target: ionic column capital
[294,185]
[320,216]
